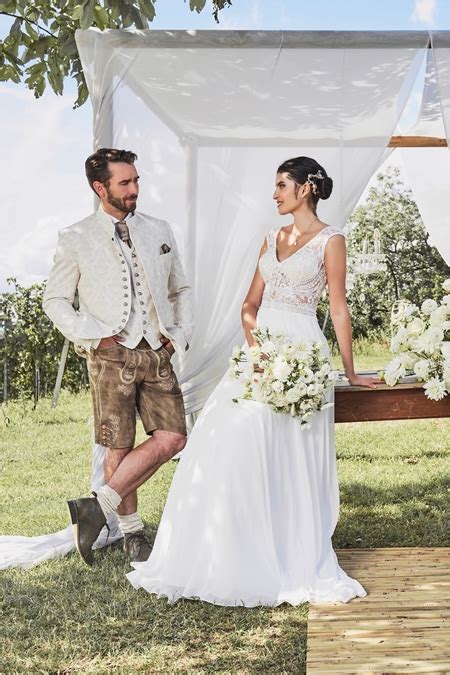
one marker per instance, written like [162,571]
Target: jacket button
[125,295]
[139,292]
[125,313]
[125,304]
[136,274]
[125,288]
[138,283]
[142,302]
[144,322]
[124,278]
[124,320]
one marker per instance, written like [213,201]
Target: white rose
[438,316]
[254,351]
[446,299]
[394,371]
[446,285]
[267,347]
[325,369]
[276,398]
[307,375]
[313,389]
[293,395]
[333,376]
[409,309]
[435,389]
[281,369]
[407,359]
[421,368]
[428,306]
[446,374]
[398,339]
[277,386]
[416,326]
[445,350]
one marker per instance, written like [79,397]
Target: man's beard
[126,205]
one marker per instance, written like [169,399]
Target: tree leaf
[101,17]
[147,8]
[87,16]
[196,5]
[15,31]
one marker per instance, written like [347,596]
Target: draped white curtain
[428,169]
[211,116]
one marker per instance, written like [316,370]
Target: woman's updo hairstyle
[307,170]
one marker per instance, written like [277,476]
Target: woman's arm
[335,268]
[252,301]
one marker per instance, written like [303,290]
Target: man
[134,312]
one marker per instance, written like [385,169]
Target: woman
[254,501]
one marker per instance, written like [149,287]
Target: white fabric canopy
[211,115]
[428,169]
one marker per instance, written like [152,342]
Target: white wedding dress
[254,500]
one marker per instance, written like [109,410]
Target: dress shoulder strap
[271,237]
[327,233]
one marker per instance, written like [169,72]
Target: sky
[45,142]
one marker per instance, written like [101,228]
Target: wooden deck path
[402,626]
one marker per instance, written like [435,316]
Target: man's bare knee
[171,442]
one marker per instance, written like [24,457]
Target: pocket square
[164,249]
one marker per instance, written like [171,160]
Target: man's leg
[140,463]
[89,514]
[114,457]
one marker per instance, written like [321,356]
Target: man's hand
[166,343]
[110,341]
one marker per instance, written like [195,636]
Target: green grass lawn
[63,617]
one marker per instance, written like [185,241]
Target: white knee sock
[108,499]
[130,523]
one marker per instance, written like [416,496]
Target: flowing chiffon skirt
[253,503]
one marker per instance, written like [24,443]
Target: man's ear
[99,188]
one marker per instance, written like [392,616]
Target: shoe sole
[76,530]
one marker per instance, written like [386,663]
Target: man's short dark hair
[97,164]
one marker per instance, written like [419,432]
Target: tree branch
[23,18]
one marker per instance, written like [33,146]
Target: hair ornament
[312,178]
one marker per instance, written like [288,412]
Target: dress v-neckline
[280,262]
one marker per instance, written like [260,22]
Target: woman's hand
[364,381]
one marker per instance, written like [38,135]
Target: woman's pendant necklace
[302,233]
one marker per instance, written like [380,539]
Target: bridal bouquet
[291,377]
[421,340]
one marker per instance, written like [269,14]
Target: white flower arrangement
[421,340]
[292,378]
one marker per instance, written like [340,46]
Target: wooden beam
[417,142]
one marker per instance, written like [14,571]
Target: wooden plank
[403,625]
[392,666]
[360,404]
[417,142]
[387,623]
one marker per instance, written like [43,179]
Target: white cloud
[425,12]
[44,145]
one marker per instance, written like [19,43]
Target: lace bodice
[297,282]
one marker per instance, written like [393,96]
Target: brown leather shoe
[88,520]
[137,545]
